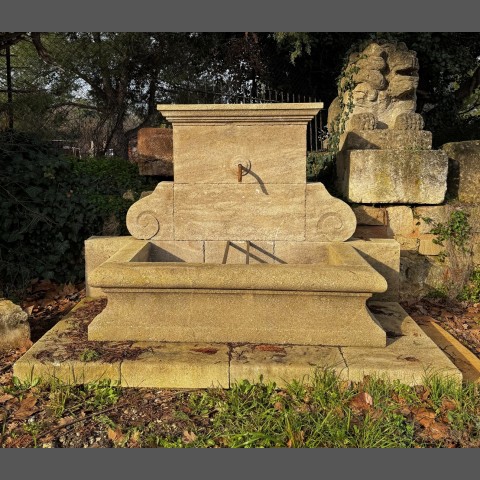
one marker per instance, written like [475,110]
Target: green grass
[260,415]
[326,411]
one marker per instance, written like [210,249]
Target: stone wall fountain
[238,268]
[239,248]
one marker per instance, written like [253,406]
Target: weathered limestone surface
[176,251]
[366,215]
[385,156]
[151,218]
[265,302]
[56,343]
[388,139]
[465,170]
[14,327]
[239,212]
[409,356]
[174,365]
[385,79]
[437,214]
[400,220]
[476,250]
[270,153]
[97,251]
[238,252]
[383,255]
[428,247]
[282,364]
[390,176]
[155,151]
[342,270]
[328,219]
[238,316]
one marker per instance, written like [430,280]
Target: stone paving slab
[283,364]
[409,355]
[177,365]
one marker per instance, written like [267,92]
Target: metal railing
[248,93]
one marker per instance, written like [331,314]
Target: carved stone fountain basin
[156,295]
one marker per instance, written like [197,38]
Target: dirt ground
[27,418]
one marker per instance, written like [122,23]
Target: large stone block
[240,212]
[256,303]
[238,316]
[393,176]
[428,247]
[425,217]
[388,139]
[14,327]
[464,177]
[155,151]
[400,220]
[211,153]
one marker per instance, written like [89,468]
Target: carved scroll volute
[151,217]
[328,219]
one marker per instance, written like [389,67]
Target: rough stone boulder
[14,327]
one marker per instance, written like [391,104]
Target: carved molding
[328,219]
[151,217]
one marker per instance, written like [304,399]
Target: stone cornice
[197,114]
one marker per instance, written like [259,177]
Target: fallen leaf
[134,439]
[361,401]
[189,437]
[65,421]
[437,431]
[26,344]
[448,405]
[423,416]
[26,408]
[278,406]
[5,398]
[116,436]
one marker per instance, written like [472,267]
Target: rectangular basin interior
[332,267]
[238,252]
